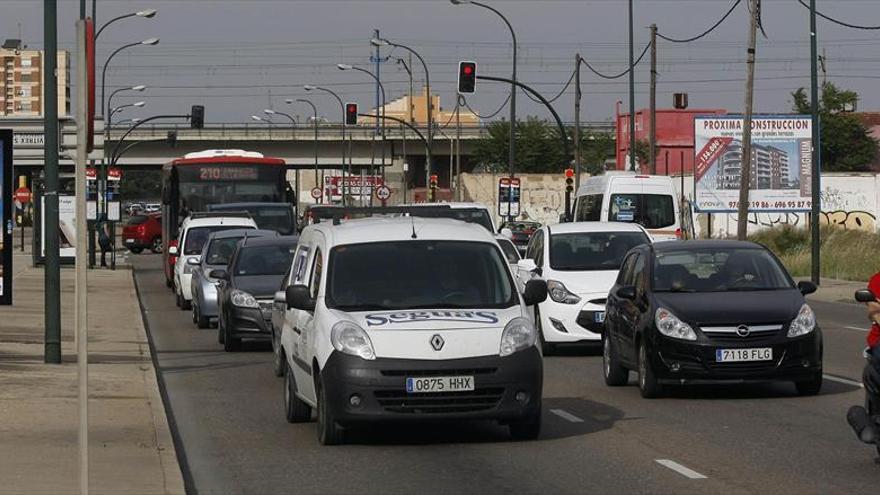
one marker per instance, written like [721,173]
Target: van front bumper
[506,389]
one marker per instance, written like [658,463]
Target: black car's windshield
[220,250]
[197,236]
[592,250]
[273,259]
[718,270]
[278,218]
[418,274]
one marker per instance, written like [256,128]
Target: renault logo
[743,331]
[437,342]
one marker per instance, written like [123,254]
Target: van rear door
[648,201]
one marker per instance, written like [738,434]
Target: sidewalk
[131,450]
[836,291]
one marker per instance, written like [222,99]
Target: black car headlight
[669,325]
[804,322]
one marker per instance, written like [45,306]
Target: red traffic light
[569,173]
[467,77]
[467,70]
[351,113]
[434,179]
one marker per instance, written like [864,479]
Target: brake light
[678,234]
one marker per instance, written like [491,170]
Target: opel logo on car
[437,342]
[743,331]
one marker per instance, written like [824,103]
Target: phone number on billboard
[773,204]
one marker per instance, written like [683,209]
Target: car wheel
[811,386]
[184,304]
[221,330]
[279,366]
[329,432]
[156,245]
[615,374]
[547,348]
[295,410]
[168,282]
[195,312]
[201,321]
[648,385]
[230,343]
[528,429]
[178,300]
[136,250]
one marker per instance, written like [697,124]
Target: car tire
[615,374]
[279,366]
[230,344]
[547,348]
[195,310]
[221,330]
[201,321]
[809,387]
[529,429]
[168,282]
[156,245]
[329,432]
[295,410]
[178,300]
[184,304]
[136,250]
[648,385]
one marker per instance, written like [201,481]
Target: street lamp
[384,104]
[309,87]
[146,14]
[512,138]
[127,105]
[429,104]
[260,119]
[148,41]
[315,125]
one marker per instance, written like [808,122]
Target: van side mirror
[535,292]
[627,292]
[806,287]
[298,297]
[865,296]
[219,274]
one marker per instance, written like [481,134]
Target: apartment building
[21,81]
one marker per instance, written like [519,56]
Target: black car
[709,311]
[280,217]
[247,286]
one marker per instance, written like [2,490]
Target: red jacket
[874,334]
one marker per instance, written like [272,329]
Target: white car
[194,232]
[579,261]
[406,318]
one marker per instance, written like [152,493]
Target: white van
[400,319]
[649,200]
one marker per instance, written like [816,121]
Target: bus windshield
[200,185]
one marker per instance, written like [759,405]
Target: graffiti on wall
[852,220]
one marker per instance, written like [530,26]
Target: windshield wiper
[676,289]
[365,307]
[748,289]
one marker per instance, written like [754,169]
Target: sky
[238,57]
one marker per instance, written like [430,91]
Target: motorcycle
[865,421]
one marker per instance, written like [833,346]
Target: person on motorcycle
[860,418]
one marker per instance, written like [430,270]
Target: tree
[596,147]
[538,147]
[846,145]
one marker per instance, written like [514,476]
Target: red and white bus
[211,177]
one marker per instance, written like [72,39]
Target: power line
[617,76]
[704,33]
[486,117]
[841,23]
[561,92]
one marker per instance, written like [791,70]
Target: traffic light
[569,180]
[197,117]
[351,114]
[467,77]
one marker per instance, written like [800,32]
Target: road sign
[23,195]
[383,192]
[316,192]
[514,196]
[504,196]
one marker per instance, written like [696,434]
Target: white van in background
[649,200]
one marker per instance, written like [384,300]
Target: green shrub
[844,254]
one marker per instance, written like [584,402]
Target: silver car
[216,254]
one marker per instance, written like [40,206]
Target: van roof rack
[219,214]
[336,214]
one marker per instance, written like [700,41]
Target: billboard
[66,226]
[6,191]
[353,185]
[781,163]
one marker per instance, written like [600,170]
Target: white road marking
[858,328]
[682,470]
[844,381]
[566,415]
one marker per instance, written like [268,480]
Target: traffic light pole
[115,156]
[52,307]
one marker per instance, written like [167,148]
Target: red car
[143,232]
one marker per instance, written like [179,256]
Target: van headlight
[559,293]
[518,334]
[669,325]
[242,299]
[349,338]
[804,322]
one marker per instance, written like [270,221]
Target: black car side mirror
[627,292]
[535,292]
[219,274]
[298,297]
[806,287]
[865,296]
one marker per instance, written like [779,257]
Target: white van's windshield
[652,211]
[418,275]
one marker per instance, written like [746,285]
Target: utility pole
[816,155]
[653,130]
[632,95]
[746,169]
[81,296]
[577,121]
[52,281]
[458,196]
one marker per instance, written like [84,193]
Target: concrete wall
[542,195]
